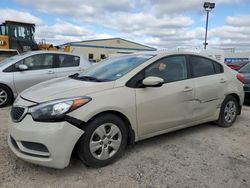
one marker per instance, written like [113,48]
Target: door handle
[222,80]
[51,72]
[187,88]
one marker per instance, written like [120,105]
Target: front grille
[17,113]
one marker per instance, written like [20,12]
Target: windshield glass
[112,69]
[245,69]
[9,59]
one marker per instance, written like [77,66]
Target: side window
[201,66]
[170,69]
[68,61]
[218,68]
[21,32]
[37,62]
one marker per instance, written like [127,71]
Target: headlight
[56,110]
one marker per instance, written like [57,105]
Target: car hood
[63,88]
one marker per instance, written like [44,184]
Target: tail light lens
[240,77]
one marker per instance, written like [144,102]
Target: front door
[161,108]
[40,68]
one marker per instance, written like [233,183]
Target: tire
[229,111]
[6,96]
[106,148]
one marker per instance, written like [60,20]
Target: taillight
[240,77]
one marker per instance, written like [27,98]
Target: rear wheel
[5,96]
[104,141]
[229,112]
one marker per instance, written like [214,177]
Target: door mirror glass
[23,67]
[153,81]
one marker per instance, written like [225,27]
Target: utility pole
[208,7]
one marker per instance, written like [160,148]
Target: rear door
[209,82]
[40,68]
[67,65]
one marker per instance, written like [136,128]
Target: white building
[96,50]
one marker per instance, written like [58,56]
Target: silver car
[20,72]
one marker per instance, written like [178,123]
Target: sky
[164,24]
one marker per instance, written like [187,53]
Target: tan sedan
[119,102]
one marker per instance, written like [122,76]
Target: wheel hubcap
[230,111]
[105,141]
[3,96]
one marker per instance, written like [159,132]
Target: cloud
[62,32]
[146,24]
[122,16]
[20,16]
[63,28]
[184,37]
[161,7]
[79,8]
[158,23]
[57,33]
[238,20]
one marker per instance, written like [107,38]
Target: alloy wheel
[230,111]
[105,141]
[3,96]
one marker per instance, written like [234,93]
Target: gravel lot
[201,156]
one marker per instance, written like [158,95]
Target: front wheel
[104,141]
[5,96]
[229,111]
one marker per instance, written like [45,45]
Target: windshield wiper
[89,78]
[73,75]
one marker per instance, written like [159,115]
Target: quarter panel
[121,99]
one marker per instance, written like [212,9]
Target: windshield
[245,69]
[9,59]
[112,69]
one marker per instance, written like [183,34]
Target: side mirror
[153,81]
[22,67]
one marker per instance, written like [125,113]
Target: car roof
[176,52]
[48,52]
